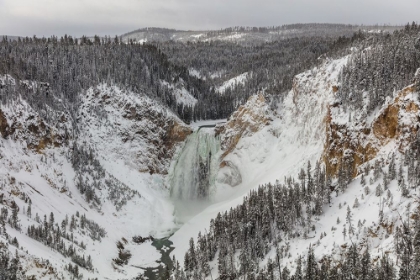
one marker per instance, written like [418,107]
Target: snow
[181,94]
[238,80]
[195,73]
[217,74]
[233,36]
[142,41]
[197,36]
[144,255]
[377,31]
[45,198]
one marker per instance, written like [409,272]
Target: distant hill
[249,34]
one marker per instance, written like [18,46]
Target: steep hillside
[72,66]
[356,202]
[70,190]
[129,128]
[354,137]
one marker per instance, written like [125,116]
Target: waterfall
[193,174]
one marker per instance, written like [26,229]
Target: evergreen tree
[15,219]
[311,266]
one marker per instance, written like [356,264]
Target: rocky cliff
[356,137]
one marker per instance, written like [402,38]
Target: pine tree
[310,184]
[353,265]
[349,221]
[416,245]
[15,218]
[400,175]
[29,210]
[391,168]
[379,190]
[365,265]
[299,272]
[311,266]
[404,273]
[51,221]
[356,203]
[362,180]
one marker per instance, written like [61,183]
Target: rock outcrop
[244,122]
[247,120]
[359,139]
[24,124]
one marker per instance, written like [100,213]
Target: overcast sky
[112,17]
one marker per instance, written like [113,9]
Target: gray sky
[111,17]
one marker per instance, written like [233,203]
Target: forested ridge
[270,66]
[64,67]
[383,64]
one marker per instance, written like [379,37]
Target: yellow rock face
[247,120]
[397,121]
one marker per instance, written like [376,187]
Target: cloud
[106,17]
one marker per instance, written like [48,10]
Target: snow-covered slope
[130,128]
[102,177]
[262,146]
[181,94]
[235,81]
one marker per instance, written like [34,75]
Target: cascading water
[191,178]
[194,172]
